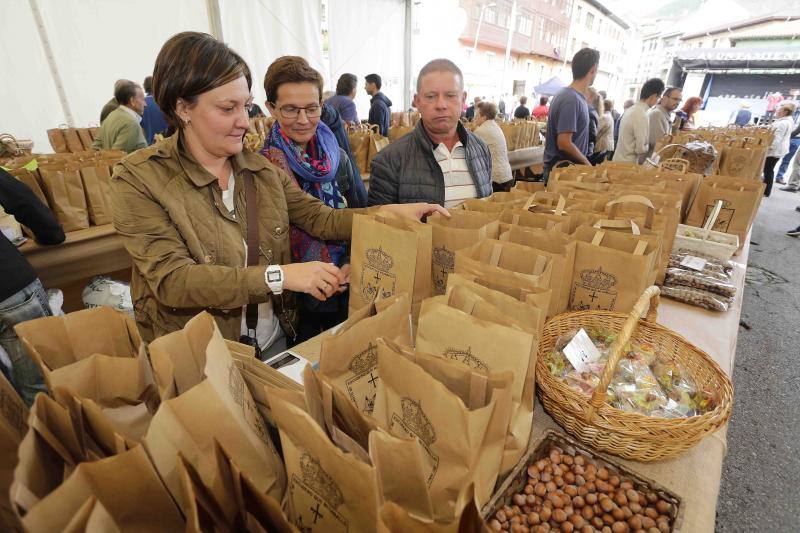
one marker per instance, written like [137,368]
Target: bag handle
[707,227]
[561,202]
[251,205]
[651,297]
[633,199]
[618,224]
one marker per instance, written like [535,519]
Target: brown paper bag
[561,250]
[126,485]
[359,138]
[85,137]
[461,230]
[497,256]
[518,288]
[524,218]
[230,503]
[394,519]
[740,198]
[328,489]
[611,271]
[742,160]
[529,186]
[377,142]
[348,357]
[460,441]
[389,256]
[73,140]
[57,140]
[97,185]
[65,196]
[486,345]
[29,178]
[13,427]
[396,131]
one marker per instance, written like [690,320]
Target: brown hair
[523,100]
[608,104]
[691,103]
[488,110]
[596,100]
[290,69]
[189,64]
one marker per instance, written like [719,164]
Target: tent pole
[214,18]
[51,62]
[407,50]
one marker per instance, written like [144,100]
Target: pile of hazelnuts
[572,493]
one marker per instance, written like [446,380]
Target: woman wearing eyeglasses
[206,223]
[303,146]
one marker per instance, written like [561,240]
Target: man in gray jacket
[660,116]
[440,162]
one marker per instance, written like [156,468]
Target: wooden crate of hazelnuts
[561,485]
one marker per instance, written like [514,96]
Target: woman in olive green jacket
[181,209]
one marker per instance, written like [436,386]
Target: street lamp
[478,29]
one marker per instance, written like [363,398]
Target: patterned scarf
[314,171]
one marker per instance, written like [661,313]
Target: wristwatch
[274,278]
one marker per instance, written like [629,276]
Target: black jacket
[470,113]
[331,119]
[594,122]
[406,171]
[17,199]
[380,113]
[522,112]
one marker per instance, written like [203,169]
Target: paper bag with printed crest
[461,435]
[462,229]
[328,490]
[450,327]
[740,201]
[497,256]
[527,219]
[560,249]
[132,496]
[220,407]
[389,255]
[230,503]
[612,269]
[348,357]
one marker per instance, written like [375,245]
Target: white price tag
[581,351]
[693,263]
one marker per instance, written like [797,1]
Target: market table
[84,254]
[695,475]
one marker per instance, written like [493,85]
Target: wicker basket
[631,435]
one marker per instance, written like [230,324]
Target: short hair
[627,103]
[439,65]
[373,78]
[608,104]
[347,82]
[790,106]
[488,110]
[148,85]
[651,87]
[290,69]
[669,90]
[543,100]
[596,100]
[583,61]
[125,91]
[523,100]
[192,63]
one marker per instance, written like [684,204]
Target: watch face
[274,276]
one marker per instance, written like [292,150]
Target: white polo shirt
[458,183]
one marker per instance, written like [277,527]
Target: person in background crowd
[342,101]
[122,130]
[567,136]
[614,113]
[380,110]
[490,133]
[540,111]
[773,101]
[521,111]
[634,126]
[469,114]
[440,161]
[660,116]
[794,143]
[331,119]
[686,116]
[501,107]
[304,147]
[782,128]
[605,132]
[743,116]
[255,111]
[112,104]
[22,296]
[188,239]
[625,106]
[153,120]
[594,99]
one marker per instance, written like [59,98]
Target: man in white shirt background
[634,126]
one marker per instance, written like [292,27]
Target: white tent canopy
[60,58]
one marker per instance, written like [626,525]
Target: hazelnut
[559,515]
[653,530]
[663,507]
[587,513]
[618,514]
[635,507]
[567,527]
[533,519]
[583,490]
[664,527]
[530,499]
[627,511]
[652,497]
[540,464]
[567,459]
[578,502]
[500,516]
[579,480]
[587,529]
[545,514]
[550,486]
[620,498]
[519,499]
[632,495]
[607,529]
[651,513]
[558,503]
[578,469]
[648,523]
[569,509]
[627,485]
[558,471]
[540,489]
[606,504]
[619,527]
[577,521]
[515,520]
[591,498]
[602,486]
[528,489]
[495,525]
[555,457]
[569,477]
[580,460]
[597,522]
[635,522]
[571,490]
[614,481]
[545,477]
[533,471]
[602,473]
[559,481]
[608,519]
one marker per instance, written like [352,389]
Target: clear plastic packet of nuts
[562,485]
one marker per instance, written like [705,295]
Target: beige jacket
[490,133]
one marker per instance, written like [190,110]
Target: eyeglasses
[290,111]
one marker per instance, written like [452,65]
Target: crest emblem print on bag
[316,497]
[467,358]
[363,385]
[377,277]
[415,423]
[724,218]
[444,262]
[595,290]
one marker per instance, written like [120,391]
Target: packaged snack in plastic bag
[697,297]
[698,280]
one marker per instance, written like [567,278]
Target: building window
[524,25]
[489,58]
[541,29]
[578,14]
[714,43]
[490,15]
[589,21]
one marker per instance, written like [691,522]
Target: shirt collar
[131,112]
